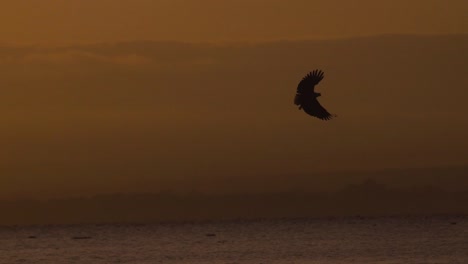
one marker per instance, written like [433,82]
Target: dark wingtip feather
[314,76]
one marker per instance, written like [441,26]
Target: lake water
[437,239]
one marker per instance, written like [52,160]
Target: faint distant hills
[375,196]
[446,178]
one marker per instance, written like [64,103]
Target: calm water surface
[438,239]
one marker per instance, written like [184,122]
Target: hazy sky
[146,115]
[70,21]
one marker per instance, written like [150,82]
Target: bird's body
[306,97]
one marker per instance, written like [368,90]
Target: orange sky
[141,115]
[71,21]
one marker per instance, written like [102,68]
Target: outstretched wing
[314,108]
[309,81]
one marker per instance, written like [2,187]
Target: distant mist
[146,117]
[367,198]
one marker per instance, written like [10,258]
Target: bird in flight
[306,97]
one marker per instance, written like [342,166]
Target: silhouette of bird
[306,97]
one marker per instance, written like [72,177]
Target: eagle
[306,97]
